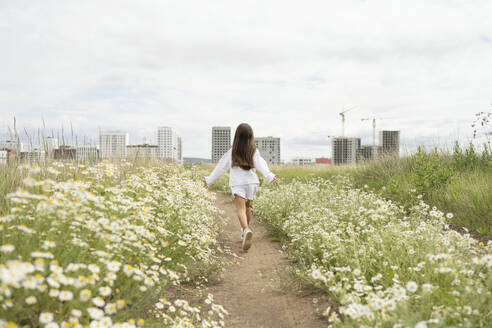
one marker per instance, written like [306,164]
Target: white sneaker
[247,236]
[242,233]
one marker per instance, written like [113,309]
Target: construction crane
[342,114]
[374,126]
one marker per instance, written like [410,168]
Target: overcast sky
[286,67]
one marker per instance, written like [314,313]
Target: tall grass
[469,196]
[459,182]
[11,177]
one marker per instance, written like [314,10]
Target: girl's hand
[274,181]
[205,183]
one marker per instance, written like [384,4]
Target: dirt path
[249,289]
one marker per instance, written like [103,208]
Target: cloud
[288,68]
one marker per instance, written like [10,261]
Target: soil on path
[249,289]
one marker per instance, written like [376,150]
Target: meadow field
[99,246]
[393,243]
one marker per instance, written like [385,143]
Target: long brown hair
[243,147]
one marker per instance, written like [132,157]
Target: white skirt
[246,191]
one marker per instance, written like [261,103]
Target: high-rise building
[344,150]
[142,151]
[86,153]
[269,148]
[368,153]
[389,141]
[112,144]
[167,143]
[221,142]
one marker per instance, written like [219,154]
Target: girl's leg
[249,215]
[241,211]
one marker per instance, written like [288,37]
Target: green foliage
[468,196]
[470,159]
[430,172]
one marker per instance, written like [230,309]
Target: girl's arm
[262,166]
[222,166]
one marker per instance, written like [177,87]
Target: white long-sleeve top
[238,175]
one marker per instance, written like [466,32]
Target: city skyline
[326,148]
[273,65]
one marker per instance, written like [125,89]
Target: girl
[243,159]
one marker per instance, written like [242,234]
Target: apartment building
[86,153]
[221,142]
[269,148]
[389,141]
[112,144]
[344,150]
[167,143]
[368,153]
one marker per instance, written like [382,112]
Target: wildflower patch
[386,266]
[101,251]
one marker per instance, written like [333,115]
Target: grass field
[98,245]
